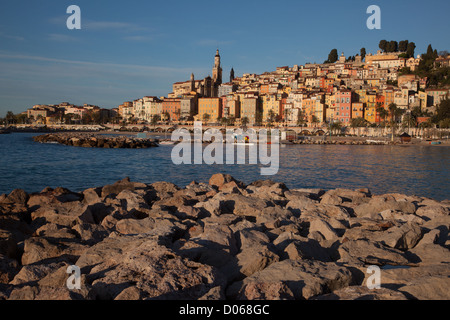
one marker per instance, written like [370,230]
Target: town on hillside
[357,91]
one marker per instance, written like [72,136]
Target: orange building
[210,106]
[171,106]
[264,89]
[357,110]
[380,101]
[344,99]
[388,97]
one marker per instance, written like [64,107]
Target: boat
[435,142]
[4,132]
[243,144]
[166,142]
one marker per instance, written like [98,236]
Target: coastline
[222,240]
[66,137]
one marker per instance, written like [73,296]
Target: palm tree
[357,123]
[68,118]
[383,113]
[287,113]
[155,119]
[231,120]
[395,113]
[206,117]
[225,121]
[270,117]
[408,121]
[166,115]
[244,122]
[336,126]
[40,118]
[301,118]
[10,117]
[178,114]
[314,120]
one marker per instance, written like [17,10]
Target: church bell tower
[217,70]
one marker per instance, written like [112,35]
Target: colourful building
[210,106]
[270,103]
[172,107]
[250,107]
[370,113]
[357,110]
[380,102]
[389,97]
[344,106]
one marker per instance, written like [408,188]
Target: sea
[412,170]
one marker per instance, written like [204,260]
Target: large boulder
[365,252]
[425,282]
[155,272]
[17,196]
[66,214]
[218,180]
[402,237]
[43,249]
[380,203]
[308,249]
[324,228]
[339,196]
[363,293]
[119,186]
[291,279]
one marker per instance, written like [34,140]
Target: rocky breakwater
[343,142]
[89,140]
[222,240]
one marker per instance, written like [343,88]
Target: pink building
[344,106]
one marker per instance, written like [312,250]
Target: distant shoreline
[64,137]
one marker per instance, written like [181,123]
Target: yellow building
[270,102]
[423,100]
[210,106]
[373,82]
[308,106]
[250,107]
[357,110]
[319,111]
[361,95]
[371,107]
[388,97]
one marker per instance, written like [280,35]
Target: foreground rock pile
[90,140]
[222,240]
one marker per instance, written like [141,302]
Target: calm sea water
[413,170]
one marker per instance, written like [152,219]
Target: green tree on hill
[392,46]
[410,49]
[383,45]
[362,53]
[403,45]
[332,56]
[442,115]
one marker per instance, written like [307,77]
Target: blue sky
[128,49]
